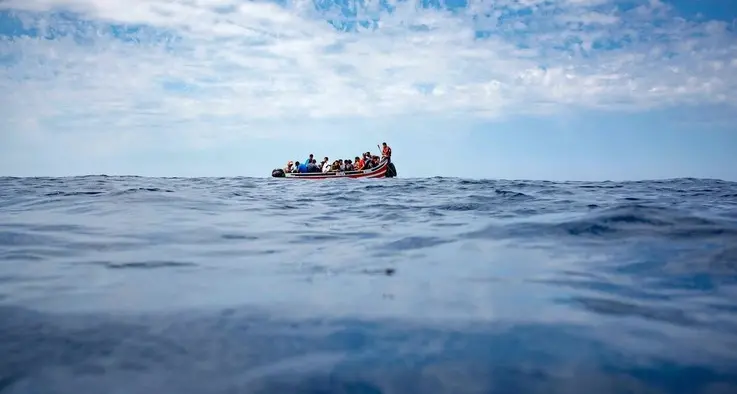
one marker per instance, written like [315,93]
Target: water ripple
[439,285]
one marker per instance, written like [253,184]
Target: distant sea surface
[240,285]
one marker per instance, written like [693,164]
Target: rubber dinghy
[383,170]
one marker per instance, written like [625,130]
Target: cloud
[132,66]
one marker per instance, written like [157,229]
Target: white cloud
[219,63]
[590,18]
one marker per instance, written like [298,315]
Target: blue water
[240,285]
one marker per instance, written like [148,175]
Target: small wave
[14,238]
[511,194]
[625,220]
[632,220]
[152,264]
[473,182]
[411,243]
[239,237]
[460,206]
[621,308]
[73,193]
[142,190]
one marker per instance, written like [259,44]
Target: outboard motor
[391,171]
[278,173]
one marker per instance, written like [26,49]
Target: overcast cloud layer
[185,64]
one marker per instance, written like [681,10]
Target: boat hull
[383,170]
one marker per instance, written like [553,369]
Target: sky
[511,89]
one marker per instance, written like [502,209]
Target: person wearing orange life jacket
[386,152]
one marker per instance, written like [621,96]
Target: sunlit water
[149,285]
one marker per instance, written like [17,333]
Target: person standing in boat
[386,152]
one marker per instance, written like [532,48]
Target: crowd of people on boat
[366,161]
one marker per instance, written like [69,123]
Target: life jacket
[386,151]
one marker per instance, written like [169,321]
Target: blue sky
[534,89]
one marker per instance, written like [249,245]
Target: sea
[138,285]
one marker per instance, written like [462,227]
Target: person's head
[311,156]
[357,158]
[296,163]
[325,160]
[383,144]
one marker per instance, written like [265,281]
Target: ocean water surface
[242,285]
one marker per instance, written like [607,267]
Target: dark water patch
[111,245]
[244,237]
[19,256]
[602,286]
[554,191]
[380,271]
[699,282]
[474,182]
[282,206]
[509,194]
[642,220]
[723,261]
[316,239]
[62,228]
[150,264]
[718,262]
[383,206]
[135,190]
[73,193]
[19,239]
[622,308]
[327,218]
[456,224]
[481,198]
[460,207]
[412,243]
[239,253]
